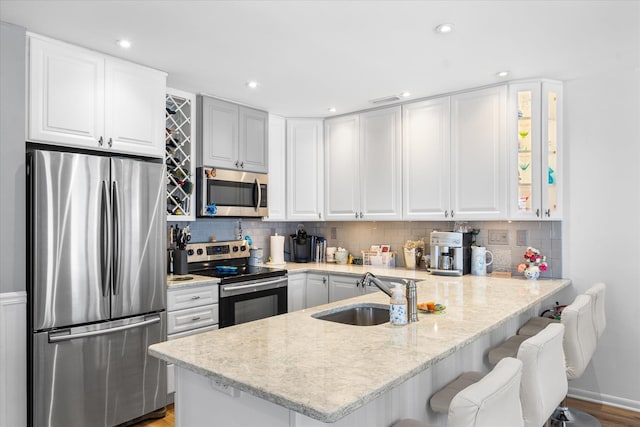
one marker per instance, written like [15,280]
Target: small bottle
[398,306]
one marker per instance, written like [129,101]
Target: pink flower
[543,267]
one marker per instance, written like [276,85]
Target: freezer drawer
[98,375]
[191,318]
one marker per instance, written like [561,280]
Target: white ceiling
[310,55]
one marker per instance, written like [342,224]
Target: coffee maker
[450,253]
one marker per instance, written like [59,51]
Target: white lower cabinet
[190,310]
[317,289]
[296,292]
[343,287]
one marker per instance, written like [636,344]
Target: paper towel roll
[277,249]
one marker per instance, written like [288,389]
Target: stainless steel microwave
[223,192]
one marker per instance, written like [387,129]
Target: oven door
[247,301]
[231,193]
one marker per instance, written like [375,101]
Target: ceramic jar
[532,272]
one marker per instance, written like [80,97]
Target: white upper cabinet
[535,142]
[232,136]
[253,143]
[479,158]
[426,173]
[134,108]
[342,177]
[381,164]
[304,169]
[83,99]
[363,162]
[277,163]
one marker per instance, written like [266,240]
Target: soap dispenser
[398,306]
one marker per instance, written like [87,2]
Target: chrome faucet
[369,278]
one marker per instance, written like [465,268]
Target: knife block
[179,259]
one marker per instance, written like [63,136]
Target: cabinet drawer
[191,318]
[178,299]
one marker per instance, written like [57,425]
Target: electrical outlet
[522,238]
[498,237]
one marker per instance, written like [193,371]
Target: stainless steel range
[247,292]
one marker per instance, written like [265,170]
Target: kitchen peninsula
[296,370]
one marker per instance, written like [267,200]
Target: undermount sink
[366,314]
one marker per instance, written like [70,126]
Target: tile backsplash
[506,240]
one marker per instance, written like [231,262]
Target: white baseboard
[605,399]
[13,359]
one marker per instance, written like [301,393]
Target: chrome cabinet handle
[110,142]
[319,215]
[237,164]
[538,213]
[196,297]
[101,141]
[452,213]
[446,214]
[356,215]
[242,165]
[193,319]
[324,280]
[360,215]
[548,213]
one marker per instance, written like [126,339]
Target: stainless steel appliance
[222,192]
[450,253]
[246,292]
[302,247]
[96,288]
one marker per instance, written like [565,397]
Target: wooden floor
[608,415]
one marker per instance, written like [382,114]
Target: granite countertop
[321,267]
[323,369]
[180,281]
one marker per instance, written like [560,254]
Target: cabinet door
[253,144]
[134,108]
[66,95]
[296,292]
[218,134]
[277,163]
[524,142]
[343,287]
[317,290]
[426,148]
[381,164]
[551,150]
[304,169]
[342,175]
[478,154]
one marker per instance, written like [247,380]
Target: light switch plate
[498,237]
[522,237]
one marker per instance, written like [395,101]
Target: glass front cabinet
[536,148]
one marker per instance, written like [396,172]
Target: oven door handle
[254,285]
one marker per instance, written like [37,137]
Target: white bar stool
[494,400]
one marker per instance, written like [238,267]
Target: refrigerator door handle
[116,239]
[59,336]
[105,237]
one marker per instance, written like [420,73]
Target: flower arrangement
[534,262]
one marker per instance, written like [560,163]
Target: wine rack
[180,152]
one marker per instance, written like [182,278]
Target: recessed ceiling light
[124,43]
[252,84]
[502,73]
[332,109]
[444,28]
[406,94]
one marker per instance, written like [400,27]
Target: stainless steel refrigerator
[97,294]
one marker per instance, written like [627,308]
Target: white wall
[601,231]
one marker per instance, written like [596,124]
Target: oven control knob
[243,248]
[200,251]
[190,252]
[235,249]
